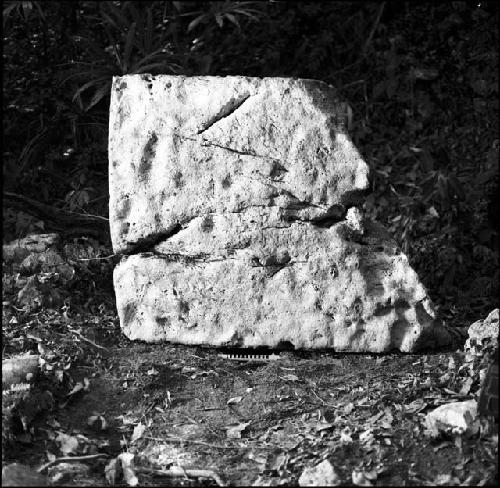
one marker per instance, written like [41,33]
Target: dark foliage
[422,79]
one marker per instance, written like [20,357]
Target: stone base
[325,291]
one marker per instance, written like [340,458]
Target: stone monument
[235,203]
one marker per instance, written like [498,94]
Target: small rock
[483,334]
[30,298]
[21,368]
[456,418]
[68,471]
[17,474]
[48,261]
[323,474]
[35,295]
[18,249]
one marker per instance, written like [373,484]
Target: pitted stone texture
[183,147]
[483,335]
[298,283]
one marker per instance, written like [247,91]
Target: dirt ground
[232,422]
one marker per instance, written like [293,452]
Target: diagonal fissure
[228,109]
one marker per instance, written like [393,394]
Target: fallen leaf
[168,400]
[366,437]
[323,474]
[234,432]
[345,436]
[451,364]
[442,446]
[290,377]
[127,419]
[415,406]
[50,456]
[97,422]
[260,459]
[360,478]
[52,422]
[466,387]
[127,462]
[234,400]
[112,471]
[67,444]
[68,471]
[386,421]
[363,401]
[138,432]
[320,426]
[446,479]
[45,352]
[375,417]
[276,461]
[78,387]
[372,475]
[444,378]
[348,408]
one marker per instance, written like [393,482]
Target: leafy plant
[135,44]
[132,45]
[22,10]
[220,11]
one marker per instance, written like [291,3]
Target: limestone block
[300,284]
[234,202]
[483,335]
[181,147]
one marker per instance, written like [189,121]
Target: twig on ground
[201,443]
[85,339]
[70,459]
[323,401]
[178,471]
[98,258]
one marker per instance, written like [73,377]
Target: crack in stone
[280,267]
[298,204]
[205,142]
[187,258]
[145,244]
[301,203]
[225,111]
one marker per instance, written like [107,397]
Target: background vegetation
[422,80]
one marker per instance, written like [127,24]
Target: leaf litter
[191,415]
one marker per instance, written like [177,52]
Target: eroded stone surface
[299,284]
[234,199]
[483,334]
[182,147]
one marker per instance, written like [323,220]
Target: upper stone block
[182,147]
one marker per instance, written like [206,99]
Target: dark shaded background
[422,80]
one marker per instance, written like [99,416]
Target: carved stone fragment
[233,201]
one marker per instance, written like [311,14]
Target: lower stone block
[320,287]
